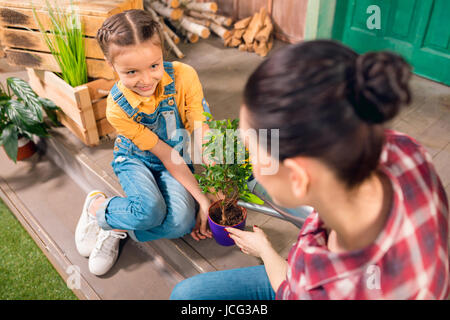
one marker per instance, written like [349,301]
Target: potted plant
[21,118]
[225,177]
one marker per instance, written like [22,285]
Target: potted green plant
[225,177]
[21,118]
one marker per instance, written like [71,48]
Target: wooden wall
[289,16]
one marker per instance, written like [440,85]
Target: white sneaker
[105,252]
[87,227]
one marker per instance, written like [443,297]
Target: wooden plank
[87,114]
[104,127]
[269,6]
[52,90]
[45,61]
[78,131]
[2,49]
[24,39]
[100,69]
[49,80]
[99,8]
[289,27]
[24,18]
[99,108]
[99,88]
[250,7]
[75,103]
[225,7]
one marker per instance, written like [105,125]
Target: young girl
[151,101]
[380,228]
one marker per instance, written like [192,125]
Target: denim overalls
[156,205]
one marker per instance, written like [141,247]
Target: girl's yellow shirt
[189,97]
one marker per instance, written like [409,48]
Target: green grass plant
[66,43]
[25,272]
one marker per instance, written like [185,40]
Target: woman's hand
[200,230]
[253,243]
[256,244]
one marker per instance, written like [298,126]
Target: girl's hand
[200,230]
[253,243]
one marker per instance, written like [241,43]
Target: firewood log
[227,41]
[235,42]
[195,14]
[263,15]
[173,14]
[172,34]
[202,6]
[202,22]
[243,47]
[198,29]
[225,21]
[173,46]
[266,31]
[167,37]
[171,3]
[238,33]
[260,48]
[220,31]
[192,37]
[253,28]
[242,24]
[220,20]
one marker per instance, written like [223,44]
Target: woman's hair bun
[380,86]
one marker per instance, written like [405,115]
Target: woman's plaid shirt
[408,260]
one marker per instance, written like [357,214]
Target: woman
[379,229]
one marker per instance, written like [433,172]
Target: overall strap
[170,88]
[122,102]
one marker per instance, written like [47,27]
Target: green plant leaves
[231,170]
[208,115]
[9,140]
[22,115]
[66,43]
[50,109]
[24,92]
[24,118]
[250,197]
[19,114]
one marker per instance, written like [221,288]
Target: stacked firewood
[253,34]
[192,20]
[187,19]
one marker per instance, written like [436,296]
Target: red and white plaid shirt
[408,260]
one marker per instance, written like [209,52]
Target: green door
[419,30]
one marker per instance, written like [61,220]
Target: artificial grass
[25,272]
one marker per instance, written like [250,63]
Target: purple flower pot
[219,232]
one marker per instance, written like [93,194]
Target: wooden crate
[25,46]
[83,107]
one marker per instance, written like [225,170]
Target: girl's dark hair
[128,28]
[328,102]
